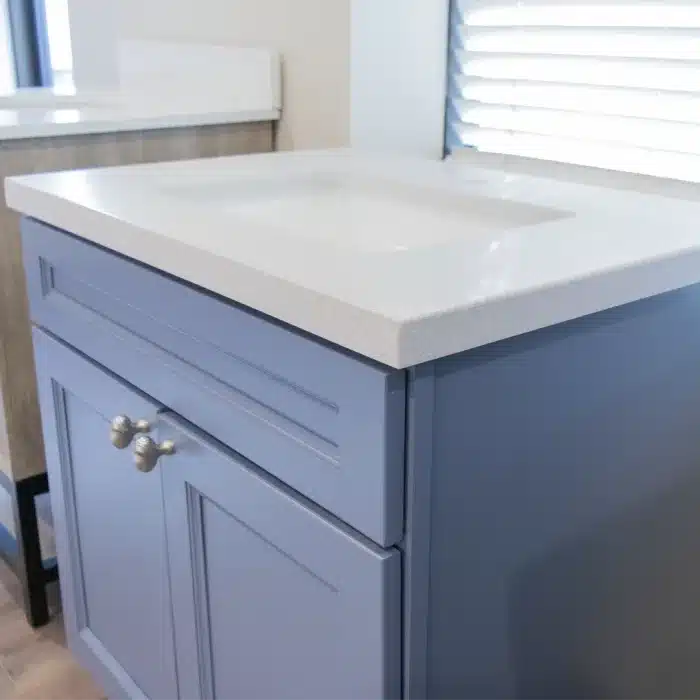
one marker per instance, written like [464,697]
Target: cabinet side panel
[566,507]
[416,549]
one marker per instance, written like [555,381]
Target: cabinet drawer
[326,423]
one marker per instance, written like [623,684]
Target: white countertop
[402,261]
[209,86]
[39,122]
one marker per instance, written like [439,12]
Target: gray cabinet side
[420,410]
[565,510]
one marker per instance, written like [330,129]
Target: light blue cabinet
[259,580]
[516,521]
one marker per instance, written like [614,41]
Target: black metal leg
[29,565]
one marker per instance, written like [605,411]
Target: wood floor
[35,664]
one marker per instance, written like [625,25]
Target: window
[58,30]
[35,45]
[7,71]
[609,84]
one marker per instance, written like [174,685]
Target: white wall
[313,37]
[397,50]
[399,76]
[93,36]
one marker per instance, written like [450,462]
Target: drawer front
[327,424]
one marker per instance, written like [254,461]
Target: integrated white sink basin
[363,213]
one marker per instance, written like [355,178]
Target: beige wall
[313,37]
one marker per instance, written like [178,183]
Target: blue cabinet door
[109,523]
[271,598]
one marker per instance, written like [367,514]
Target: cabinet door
[110,533]
[271,599]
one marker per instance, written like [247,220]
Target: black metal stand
[27,563]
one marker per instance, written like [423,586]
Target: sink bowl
[362,213]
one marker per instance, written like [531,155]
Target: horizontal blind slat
[629,73]
[579,13]
[607,83]
[656,135]
[622,43]
[615,157]
[663,105]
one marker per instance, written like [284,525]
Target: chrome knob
[123,430]
[147,453]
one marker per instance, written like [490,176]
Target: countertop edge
[394,342]
[138,123]
[503,318]
[294,304]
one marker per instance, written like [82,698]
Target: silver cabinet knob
[147,453]
[123,430]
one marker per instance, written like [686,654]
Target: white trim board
[398,78]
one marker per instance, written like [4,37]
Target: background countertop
[235,86]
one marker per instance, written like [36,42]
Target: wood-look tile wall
[21,446]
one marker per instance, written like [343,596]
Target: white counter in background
[402,261]
[236,86]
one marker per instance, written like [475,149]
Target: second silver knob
[147,453]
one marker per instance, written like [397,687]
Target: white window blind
[610,84]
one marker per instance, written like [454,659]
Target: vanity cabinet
[258,578]
[515,521]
